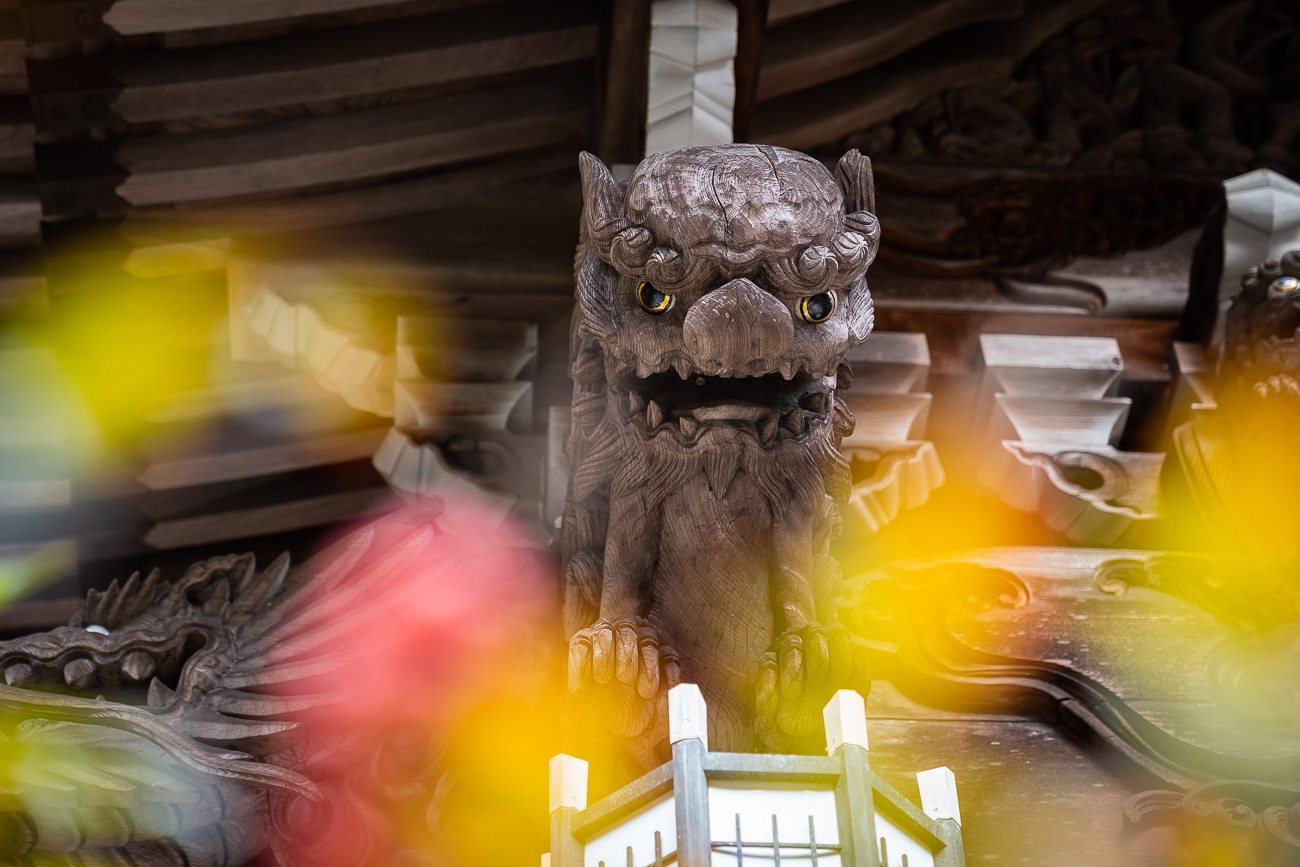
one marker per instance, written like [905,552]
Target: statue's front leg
[619,661]
[807,661]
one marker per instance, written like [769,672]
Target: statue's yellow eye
[652,299]
[817,308]
[1283,285]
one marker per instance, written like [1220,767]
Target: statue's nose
[737,329]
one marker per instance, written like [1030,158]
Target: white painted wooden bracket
[939,794]
[459,406]
[415,470]
[1044,420]
[464,350]
[1263,222]
[1192,377]
[692,79]
[1033,365]
[1093,494]
[894,362]
[297,336]
[688,716]
[891,414]
[845,716]
[568,783]
[885,417]
[905,475]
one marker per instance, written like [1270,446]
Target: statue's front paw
[1282,385]
[623,651]
[616,670]
[796,679]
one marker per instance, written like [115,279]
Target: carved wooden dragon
[161,726]
[717,294]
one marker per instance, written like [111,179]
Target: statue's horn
[602,200]
[854,176]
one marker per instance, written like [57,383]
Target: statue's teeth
[787,369]
[654,415]
[767,427]
[793,421]
[689,426]
[815,402]
[683,367]
[79,673]
[138,665]
[635,403]
[642,368]
[160,694]
[17,673]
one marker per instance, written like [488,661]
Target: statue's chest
[715,559]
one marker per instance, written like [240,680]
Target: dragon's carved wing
[152,729]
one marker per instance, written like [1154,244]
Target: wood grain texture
[783,10]
[751,31]
[266,520]
[445,189]
[214,466]
[152,16]
[313,67]
[968,56]
[850,37]
[623,82]
[310,152]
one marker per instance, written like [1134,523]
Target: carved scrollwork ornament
[1272,811]
[1257,677]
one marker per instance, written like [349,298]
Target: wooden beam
[824,114]
[38,614]
[780,11]
[75,20]
[444,190]
[621,94]
[314,67]
[969,56]
[313,151]
[750,34]
[20,212]
[17,136]
[267,520]
[210,467]
[842,40]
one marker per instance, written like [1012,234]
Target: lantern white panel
[638,832]
[899,843]
[791,804]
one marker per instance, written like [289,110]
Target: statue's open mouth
[771,407]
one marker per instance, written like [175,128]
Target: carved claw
[1279,385]
[625,651]
[621,674]
[797,677]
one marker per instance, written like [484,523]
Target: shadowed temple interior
[594,432]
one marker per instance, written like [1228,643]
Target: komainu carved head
[727,262]
[718,291]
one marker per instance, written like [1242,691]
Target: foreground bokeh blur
[433,748]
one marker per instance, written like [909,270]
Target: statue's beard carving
[632,455]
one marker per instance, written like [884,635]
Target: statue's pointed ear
[854,176]
[601,198]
